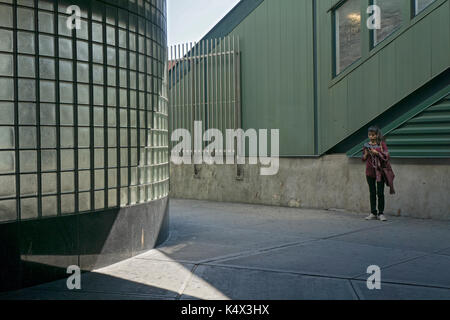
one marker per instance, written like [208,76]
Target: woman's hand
[374,151]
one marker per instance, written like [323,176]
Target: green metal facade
[423,132]
[287,80]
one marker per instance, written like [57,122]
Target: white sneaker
[371,217]
[382,217]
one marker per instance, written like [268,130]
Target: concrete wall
[329,182]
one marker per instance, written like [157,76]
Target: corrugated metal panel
[425,134]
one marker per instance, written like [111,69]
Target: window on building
[347,19]
[391,19]
[420,5]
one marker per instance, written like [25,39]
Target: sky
[190,20]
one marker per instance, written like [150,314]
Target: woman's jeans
[376,189]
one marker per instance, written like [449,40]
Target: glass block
[47,114]
[28,3]
[7,186]
[99,158]
[98,116]
[112,178]
[67,160]
[6,64]
[132,80]
[48,137]
[83,94]
[47,68]
[122,58]
[82,51]
[98,95]
[28,185]
[132,41]
[27,137]
[46,4]
[84,137]
[112,158]
[62,26]
[83,32]
[28,209]
[82,72]
[84,180]
[111,76]
[46,45]
[49,183]
[99,200]
[8,210]
[110,35]
[27,90]
[123,98]
[67,182]
[48,160]
[123,78]
[6,16]
[66,115]
[123,137]
[7,40]
[27,113]
[123,197]
[65,48]
[133,195]
[65,70]
[112,100]
[83,116]
[67,203]
[99,180]
[25,42]
[6,89]
[47,91]
[111,56]
[112,114]
[7,162]
[97,32]
[112,137]
[112,198]
[84,159]
[26,66]
[111,14]
[65,92]
[132,57]
[49,206]
[46,22]
[124,157]
[124,177]
[84,202]
[67,137]
[25,19]
[97,53]
[6,113]
[123,118]
[98,74]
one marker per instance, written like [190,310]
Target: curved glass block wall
[83,113]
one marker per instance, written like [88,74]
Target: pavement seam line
[354,290]
[250,253]
[395,264]
[186,282]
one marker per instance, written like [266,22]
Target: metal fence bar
[205,85]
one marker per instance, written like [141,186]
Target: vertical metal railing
[204,85]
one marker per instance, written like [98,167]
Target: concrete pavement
[239,251]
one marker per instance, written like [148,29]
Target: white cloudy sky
[190,20]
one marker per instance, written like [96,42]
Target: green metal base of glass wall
[38,251]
